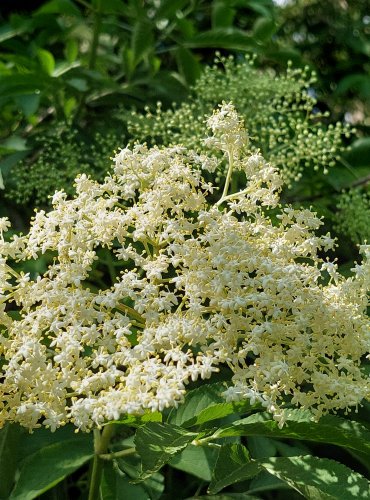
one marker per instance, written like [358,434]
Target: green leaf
[330,429]
[259,7]
[266,482]
[196,460]
[28,103]
[318,478]
[153,485]
[188,65]
[116,485]
[197,400]
[110,6]
[9,161]
[355,83]
[226,38]
[66,7]
[79,84]
[14,143]
[226,496]
[71,50]
[142,40]
[264,28]
[359,154]
[69,105]
[48,466]
[10,436]
[47,61]
[315,478]
[8,31]
[157,443]
[233,465]
[205,404]
[222,14]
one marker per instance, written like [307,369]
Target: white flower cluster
[201,283]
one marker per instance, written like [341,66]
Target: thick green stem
[101,443]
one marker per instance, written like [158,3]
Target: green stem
[96,33]
[118,454]
[101,442]
[131,312]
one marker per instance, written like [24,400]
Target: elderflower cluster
[199,284]
[280,113]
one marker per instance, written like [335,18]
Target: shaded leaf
[222,14]
[188,65]
[66,7]
[359,154]
[156,443]
[233,465]
[50,465]
[196,460]
[318,478]
[142,40]
[315,478]
[116,485]
[330,429]
[10,436]
[264,28]
[28,103]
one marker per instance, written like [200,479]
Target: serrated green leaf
[50,465]
[157,443]
[330,429]
[318,478]
[315,478]
[47,61]
[226,38]
[142,40]
[233,465]
[196,460]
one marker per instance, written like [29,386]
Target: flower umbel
[200,284]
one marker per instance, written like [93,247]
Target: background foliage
[77,80]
